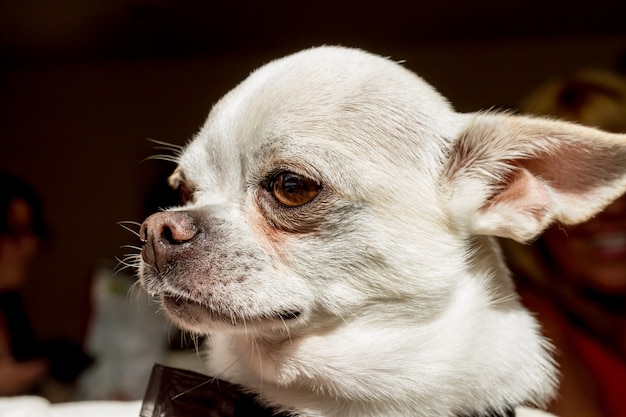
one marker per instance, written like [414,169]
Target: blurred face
[593,254]
[18,248]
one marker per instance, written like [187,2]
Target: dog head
[303,193]
[335,187]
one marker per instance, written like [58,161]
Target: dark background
[85,84]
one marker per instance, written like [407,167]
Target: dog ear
[511,176]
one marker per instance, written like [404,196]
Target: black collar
[509,412]
[177,392]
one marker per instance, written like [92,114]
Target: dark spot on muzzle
[289,315]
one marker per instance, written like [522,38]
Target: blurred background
[84,85]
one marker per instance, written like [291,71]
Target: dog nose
[162,235]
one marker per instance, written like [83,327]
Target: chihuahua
[336,240]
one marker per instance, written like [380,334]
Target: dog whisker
[135,258]
[245,327]
[286,330]
[255,346]
[129,261]
[172,147]
[136,292]
[169,332]
[173,155]
[133,222]
[162,157]
[504,299]
[191,389]
[124,224]
[195,338]
[223,370]
[122,265]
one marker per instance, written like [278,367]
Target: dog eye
[185,193]
[181,186]
[293,190]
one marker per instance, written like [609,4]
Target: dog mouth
[191,313]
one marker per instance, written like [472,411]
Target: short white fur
[405,305]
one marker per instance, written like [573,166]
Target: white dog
[336,239]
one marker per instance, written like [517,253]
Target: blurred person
[20,236]
[26,363]
[574,278]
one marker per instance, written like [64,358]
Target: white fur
[405,306]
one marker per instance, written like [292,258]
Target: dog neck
[482,354]
[363,367]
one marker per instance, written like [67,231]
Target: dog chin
[202,318]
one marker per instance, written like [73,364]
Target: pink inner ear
[523,193]
[577,167]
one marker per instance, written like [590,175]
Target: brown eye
[293,190]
